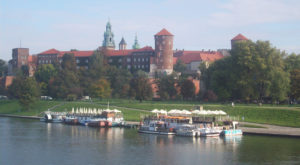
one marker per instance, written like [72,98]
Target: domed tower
[122,44]
[164,51]
[108,41]
[238,38]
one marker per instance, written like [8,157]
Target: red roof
[239,37]
[192,56]
[50,51]
[77,53]
[127,52]
[164,32]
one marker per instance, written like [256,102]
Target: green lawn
[283,115]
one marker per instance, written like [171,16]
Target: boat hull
[156,132]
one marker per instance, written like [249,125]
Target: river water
[24,141]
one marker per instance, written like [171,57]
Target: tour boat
[156,127]
[188,130]
[53,117]
[72,120]
[210,132]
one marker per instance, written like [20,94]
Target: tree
[179,66]
[67,81]
[43,75]
[29,93]
[140,88]
[26,91]
[295,84]
[167,87]
[119,81]
[187,89]
[253,71]
[100,89]
[3,68]
[292,66]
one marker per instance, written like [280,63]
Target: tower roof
[123,42]
[239,37]
[164,32]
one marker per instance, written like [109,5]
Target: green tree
[295,84]
[167,87]
[43,75]
[253,71]
[67,81]
[292,66]
[119,81]
[140,88]
[3,68]
[100,89]
[187,89]
[179,66]
[26,91]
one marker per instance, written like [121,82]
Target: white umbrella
[73,110]
[163,111]
[186,112]
[155,111]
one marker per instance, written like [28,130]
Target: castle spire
[136,43]
[108,41]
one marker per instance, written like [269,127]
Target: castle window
[120,60]
[128,59]
[77,61]
[147,59]
[128,66]
[143,66]
[139,66]
[143,59]
[86,67]
[87,61]
[134,59]
[110,60]
[139,59]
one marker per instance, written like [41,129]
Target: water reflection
[38,143]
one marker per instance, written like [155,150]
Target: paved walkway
[271,130]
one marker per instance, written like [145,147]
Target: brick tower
[164,52]
[238,38]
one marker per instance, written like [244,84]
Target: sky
[196,24]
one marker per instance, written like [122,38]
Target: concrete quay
[270,130]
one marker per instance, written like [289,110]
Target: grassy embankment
[283,115]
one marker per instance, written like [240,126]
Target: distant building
[158,60]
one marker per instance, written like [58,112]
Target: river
[30,142]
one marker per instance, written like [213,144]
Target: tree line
[255,72]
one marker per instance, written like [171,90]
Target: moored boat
[233,131]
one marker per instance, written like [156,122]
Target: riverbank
[249,129]
[280,115]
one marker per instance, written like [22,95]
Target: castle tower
[20,57]
[122,44]
[164,51]
[108,41]
[136,44]
[238,38]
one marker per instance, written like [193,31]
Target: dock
[271,130]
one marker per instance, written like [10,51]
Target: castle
[158,60]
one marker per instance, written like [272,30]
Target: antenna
[20,43]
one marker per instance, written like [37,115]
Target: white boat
[188,130]
[155,127]
[210,132]
[53,117]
